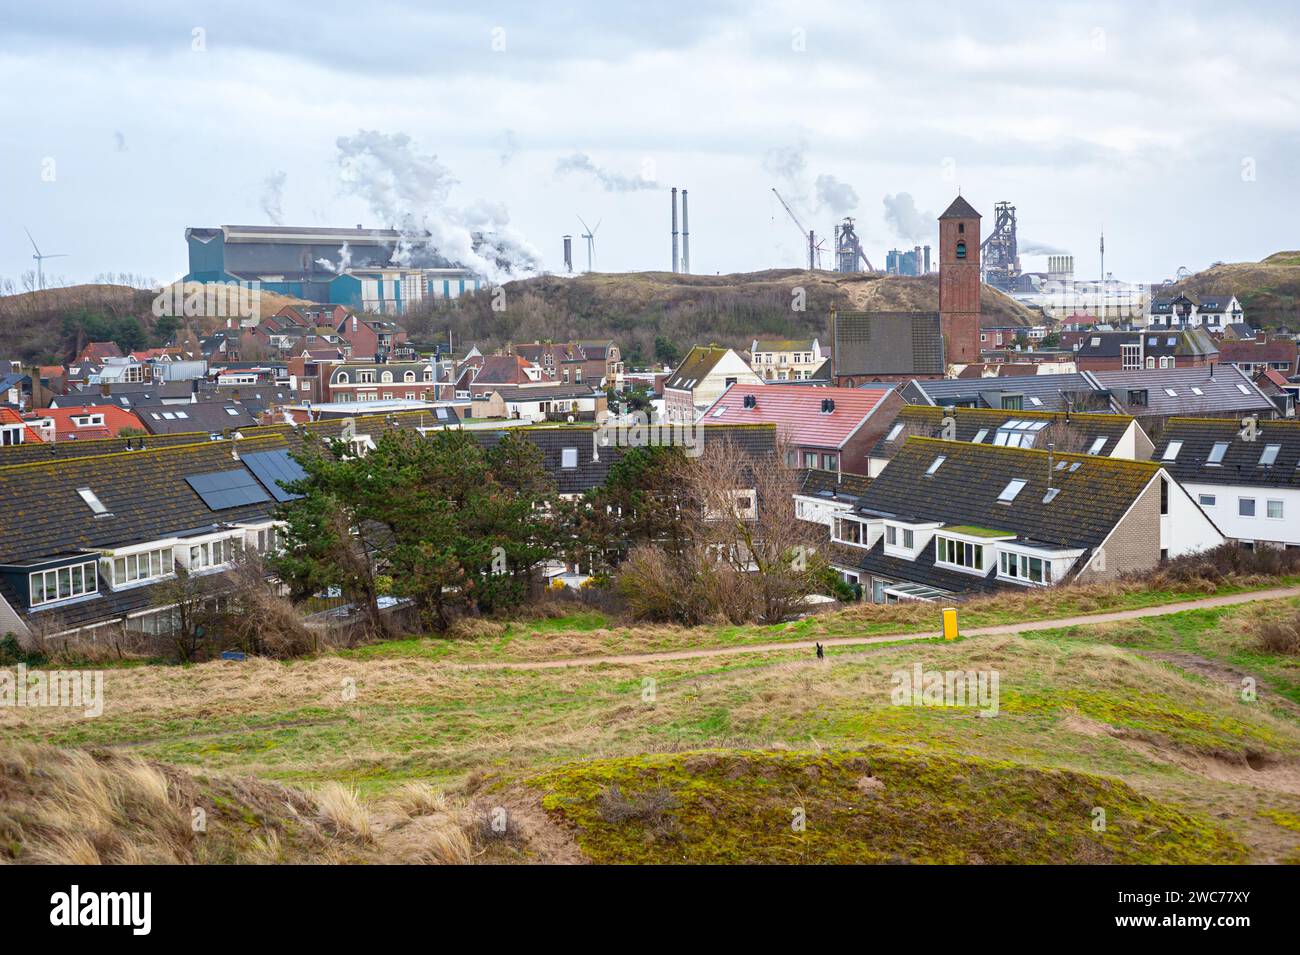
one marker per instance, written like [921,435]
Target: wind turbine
[40,259]
[590,236]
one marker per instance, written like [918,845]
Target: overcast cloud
[1175,126]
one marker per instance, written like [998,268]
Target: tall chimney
[674,228]
[686,237]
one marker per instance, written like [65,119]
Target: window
[1013,402]
[891,535]
[1023,567]
[894,432]
[961,249]
[1217,452]
[343,378]
[1011,490]
[1171,450]
[909,538]
[1197,391]
[1131,357]
[848,531]
[934,465]
[408,376]
[1206,500]
[1242,388]
[1171,393]
[145,566]
[1274,510]
[1245,507]
[386,378]
[91,499]
[792,459]
[810,459]
[958,553]
[1097,446]
[569,458]
[1137,397]
[366,377]
[829,462]
[210,554]
[47,586]
[1269,457]
[980,436]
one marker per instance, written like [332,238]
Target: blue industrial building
[349,267]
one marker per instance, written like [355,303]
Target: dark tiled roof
[887,343]
[964,490]
[696,366]
[832,484]
[960,209]
[1218,387]
[1241,460]
[927,421]
[1056,392]
[544,392]
[209,416]
[1186,343]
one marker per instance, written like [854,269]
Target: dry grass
[1279,635]
[69,807]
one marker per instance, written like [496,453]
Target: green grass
[592,634]
[1225,636]
[877,805]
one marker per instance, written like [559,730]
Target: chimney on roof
[105,389]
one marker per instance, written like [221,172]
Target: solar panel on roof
[225,489]
[275,469]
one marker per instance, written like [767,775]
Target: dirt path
[1203,603]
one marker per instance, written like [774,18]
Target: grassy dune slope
[1070,701]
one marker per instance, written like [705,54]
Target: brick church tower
[959,282]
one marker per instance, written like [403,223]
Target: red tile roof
[10,417]
[1252,350]
[796,411]
[115,420]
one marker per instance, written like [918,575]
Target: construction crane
[814,247]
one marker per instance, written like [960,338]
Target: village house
[542,402]
[830,429]
[1109,435]
[786,359]
[704,374]
[1246,478]
[948,519]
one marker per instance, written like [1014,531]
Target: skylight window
[1242,388]
[89,496]
[1035,401]
[1171,450]
[980,436]
[720,412]
[1217,452]
[894,432]
[1011,490]
[1171,393]
[1097,446]
[1269,457]
[569,458]
[935,464]
[1074,467]
[1197,391]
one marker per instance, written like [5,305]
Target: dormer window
[64,583]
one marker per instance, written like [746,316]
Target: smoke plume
[906,220]
[1030,247]
[410,192]
[345,261]
[273,196]
[835,196]
[580,163]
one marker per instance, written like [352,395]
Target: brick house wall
[1134,544]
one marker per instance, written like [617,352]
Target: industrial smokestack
[686,237]
[674,228]
[568,254]
[927,260]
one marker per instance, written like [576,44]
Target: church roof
[960,209]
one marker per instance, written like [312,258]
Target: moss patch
[878,805]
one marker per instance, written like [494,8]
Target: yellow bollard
[950,623]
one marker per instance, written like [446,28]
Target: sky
[1173,127]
